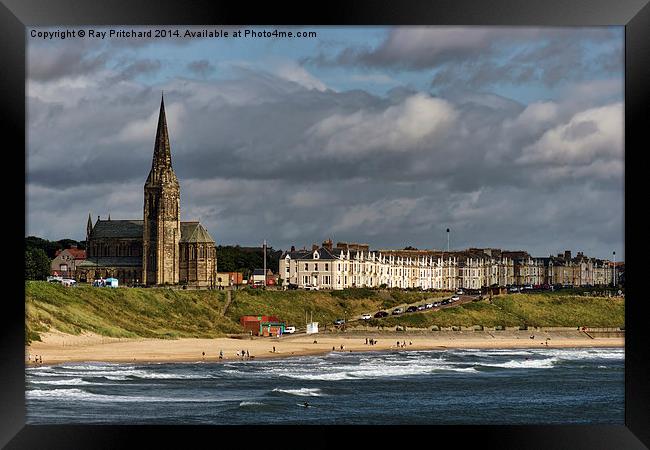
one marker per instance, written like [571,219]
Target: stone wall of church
[198,264]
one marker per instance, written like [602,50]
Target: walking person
[220,354]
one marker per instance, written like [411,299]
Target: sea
[436,387]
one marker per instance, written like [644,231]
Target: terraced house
[355,265]
[160,249]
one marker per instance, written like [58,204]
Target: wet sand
[59,347]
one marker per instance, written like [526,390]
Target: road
[463,299]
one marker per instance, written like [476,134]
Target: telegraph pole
[614,270]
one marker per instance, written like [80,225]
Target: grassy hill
[535,310]
[170,314]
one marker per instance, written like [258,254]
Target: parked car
[428,305]
[292,286]
[455,298]
[365,316]
[459,292]
[311,287]
[381,314]
[436,304]
[412,308]
[397,311]
[289,330]
[421,307]
[445,302]
[339,322]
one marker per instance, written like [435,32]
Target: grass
[122,312]
[171,314]
[535,310]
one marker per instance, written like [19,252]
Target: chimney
[314,247]
[293,248]
[328,244]
[567,254]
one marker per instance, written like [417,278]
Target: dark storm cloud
[262,157]
[201,67]
[479,57]
[51,63]
[136,68]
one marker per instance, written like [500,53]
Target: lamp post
[264,247]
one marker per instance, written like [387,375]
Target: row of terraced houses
[355,265]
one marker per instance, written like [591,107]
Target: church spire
[89,227]
[162,157]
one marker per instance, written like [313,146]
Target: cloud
[52,63]
[298,74]
[481,57]
[418,121]
[588,135]
[201,67]
[271,154]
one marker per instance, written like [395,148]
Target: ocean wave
[124,374]
[524,364]
[371,370]
[302,392]
[70,382]
[250,403]
[75,394]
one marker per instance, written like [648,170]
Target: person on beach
[248,355]
[366,341]
[220,354]
[202,355]
[274,349]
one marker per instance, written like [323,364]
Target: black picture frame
[16,15]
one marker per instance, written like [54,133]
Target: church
[158,250]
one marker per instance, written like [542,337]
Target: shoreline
[57,348]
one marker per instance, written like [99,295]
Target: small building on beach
[262,325]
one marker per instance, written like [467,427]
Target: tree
[37,264]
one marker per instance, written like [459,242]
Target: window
[306,266]
[287,269]
[315,266]
[63,267]
[327,266]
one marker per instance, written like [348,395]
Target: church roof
[194,232]
[121,229]
[117,229]
[112,261]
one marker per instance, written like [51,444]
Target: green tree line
[233,258]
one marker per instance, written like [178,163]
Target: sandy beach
[57,347]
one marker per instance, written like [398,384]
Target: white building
[355,265]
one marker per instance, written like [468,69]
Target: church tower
[162,213]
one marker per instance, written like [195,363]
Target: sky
[511,137]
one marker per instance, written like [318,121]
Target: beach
[56,347]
